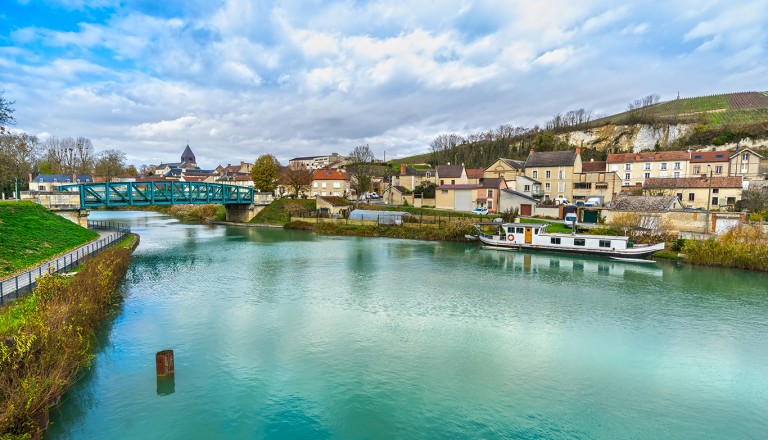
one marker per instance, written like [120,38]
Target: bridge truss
[93,195]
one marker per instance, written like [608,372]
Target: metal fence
[14,287]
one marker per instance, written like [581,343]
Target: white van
[570,219]
[560,200]
[593,201]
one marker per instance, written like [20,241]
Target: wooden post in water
[164,362]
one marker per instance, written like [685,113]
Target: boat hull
[639,252]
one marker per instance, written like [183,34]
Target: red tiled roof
[475,173]
[710,156]
[593,167]
[691,182]
[329,175]
[648,156]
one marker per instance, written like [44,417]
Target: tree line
[22,154]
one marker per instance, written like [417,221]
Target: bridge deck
[93,195]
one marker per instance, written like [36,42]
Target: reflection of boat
[470,237]
[534,236]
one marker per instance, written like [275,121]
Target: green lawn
[31,234]
[276,213]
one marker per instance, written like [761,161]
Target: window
[647,175]
[627,166]
[323,185]
[663,166]
[337,184]
[745,157]
[647,166]
[697,169]
[605,243]
[676,174]
[579,242]
[679,196]
[535,174]
[554,240]
[546,187]
[714,201]
[691,197]
[731,200]
[561,174]
[490,204]
[549,174]
[527,188]
[490,193]
[323,193]
[443,191]
[453,182]
[428,174]
[561,186]
[520,230]
[314,184]
[627,176]
[715,190]
[442,182]
[678,165]
[719,169]
[41,188]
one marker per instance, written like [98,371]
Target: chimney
[531,152]
[402,169]
[30,177]
[578,151]
[657,156]
[637,156]
[74,178]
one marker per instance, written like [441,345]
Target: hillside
[32,234]
[724,121]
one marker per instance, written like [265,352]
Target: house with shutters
[745,163]
[451,175]
[702,192]
[410,177]
[710,163]
[54,182]
[329,183]
[634,168]
[468,196]
[555,170]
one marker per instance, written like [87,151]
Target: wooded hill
[714,120]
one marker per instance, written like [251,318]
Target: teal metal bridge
[93,195]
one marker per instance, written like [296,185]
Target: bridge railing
[16,286]
[108,226]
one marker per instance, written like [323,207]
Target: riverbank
[31,234]
[46,338]
[451,232]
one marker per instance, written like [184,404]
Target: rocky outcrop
[628,138]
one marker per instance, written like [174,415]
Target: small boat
[534,236]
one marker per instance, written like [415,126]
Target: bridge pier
[242,213]
[64,204]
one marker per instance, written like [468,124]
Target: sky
[237,79]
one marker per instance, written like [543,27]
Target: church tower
[189,157]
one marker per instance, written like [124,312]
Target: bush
[745,247]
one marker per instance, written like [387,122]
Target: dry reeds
[744,247]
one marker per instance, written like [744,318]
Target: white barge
[534,236]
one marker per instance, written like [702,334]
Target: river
[289,335]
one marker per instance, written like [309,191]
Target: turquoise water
[285,334]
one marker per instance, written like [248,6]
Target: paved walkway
[16,286]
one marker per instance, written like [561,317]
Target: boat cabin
[535,235]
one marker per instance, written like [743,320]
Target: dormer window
[40,180]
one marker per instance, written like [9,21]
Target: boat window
[578,242]
[605,243]
[554,240]
[520,230]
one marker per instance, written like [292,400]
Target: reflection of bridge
[74,201]
[112,194]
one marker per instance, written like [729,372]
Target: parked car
[480,210]
[560,200]
[593,201]
[374,195]
[571,219]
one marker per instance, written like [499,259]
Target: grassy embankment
[279,212]
[32,234]
[46,338]
[743,247]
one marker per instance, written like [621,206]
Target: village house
[188,161]
[555,170]
[595,181]
[474,175]
[698,192]
[507,169]
[329,161]
[634,168]
[54,182]
[468,196]
[395,195]
[510,199]
[410,177]
[332,206]
[451,175]
[745,163]
[710,163]
[330,183]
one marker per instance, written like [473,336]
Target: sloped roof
[62,178]
[475,173]
[411,171]
[188,155]
[329,175]
[519,194]
[648,156]
[594,166]
[691,182]
[710,156]
[490,182]
[643,203]
[450,170]
[551,159]
[516,164]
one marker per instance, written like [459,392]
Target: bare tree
[110,163]
[6,112]
[297,177]
[360,169]
[68,155]
[18,154]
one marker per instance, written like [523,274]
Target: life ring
[510,237]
